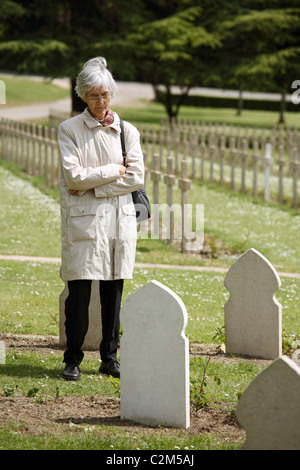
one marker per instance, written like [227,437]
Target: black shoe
[71,372]
[110,368]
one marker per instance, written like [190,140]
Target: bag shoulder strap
[124,153]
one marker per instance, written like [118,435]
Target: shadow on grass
[33,371]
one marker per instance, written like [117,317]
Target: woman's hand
[122,169]
[73,192]
[76,192]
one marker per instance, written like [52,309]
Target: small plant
[200,397]
[32,392]
[55,319]
[9,390]
[219,335]
[240,246]
[214,247]
[116,385]
[290,343]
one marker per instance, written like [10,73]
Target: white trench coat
[98,226]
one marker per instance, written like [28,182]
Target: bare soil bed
[96,410]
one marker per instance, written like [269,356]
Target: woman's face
[98,100]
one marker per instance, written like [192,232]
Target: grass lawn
[30,291]
[41,411]
[21,91]
[233,221]
[152,113]
[30,378]
[30,225]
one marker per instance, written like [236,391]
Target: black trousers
[77,318]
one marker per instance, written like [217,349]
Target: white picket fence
[32,147]
[261,163]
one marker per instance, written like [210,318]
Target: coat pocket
[128,209]
[82,223]
[127,222]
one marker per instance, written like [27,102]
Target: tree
[172,51]
[54,38]
[265,49]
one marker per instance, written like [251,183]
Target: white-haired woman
[98,221]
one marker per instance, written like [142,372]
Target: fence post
[156,177]
[169,180]
[154,139]
[222,157]
[268,164]
[23,140]
[53,146]
[212,155]
[27,148]
[281,163]
[295,166]
[176,138]
[202,150]
[145,138]
[161,147]
[185,185]
[255,166]
[244,154]
[40,147]
[233,153]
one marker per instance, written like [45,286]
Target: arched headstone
[154,353]
[253,325]
[269,408]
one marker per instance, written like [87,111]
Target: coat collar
[92,122]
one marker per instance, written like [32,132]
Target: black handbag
[139,197]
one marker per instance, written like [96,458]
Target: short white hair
[95,74]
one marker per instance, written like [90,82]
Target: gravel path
[41,259]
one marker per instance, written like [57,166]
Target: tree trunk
[181,99]
[282,107]
[240,103]
[78,105]
[167,100]
[169,105]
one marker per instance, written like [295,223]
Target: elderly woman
[98,221]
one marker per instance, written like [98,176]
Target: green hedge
[216,102]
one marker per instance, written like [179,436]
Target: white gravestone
[269,409]
[94,333]
[253,324]
[154,354]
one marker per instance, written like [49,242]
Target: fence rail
[32,147]
[263,163]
